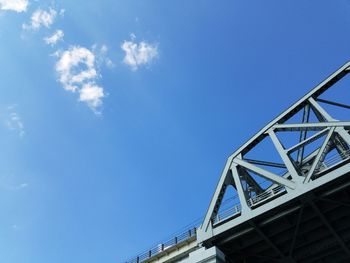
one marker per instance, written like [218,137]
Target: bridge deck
[314,227]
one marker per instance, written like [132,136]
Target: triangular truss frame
[300,171]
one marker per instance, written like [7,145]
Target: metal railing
[264,196]
[228,213]
[334,159]
[253,201]
[276,191]
[156,250]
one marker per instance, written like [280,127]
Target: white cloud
[68,65]
[14,5]
[41,18]
[76,68]
[137,54]
[92,95]
[14,121]
[52,40]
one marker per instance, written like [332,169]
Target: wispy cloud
[76,68]
[20,186]
[53,39]
[14,5]
[138,54]
[14,122]
[41,18]
[102,56]
[10,182]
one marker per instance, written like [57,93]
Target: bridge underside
[311,228]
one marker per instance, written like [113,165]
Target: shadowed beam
[334,103]
[265,163]
[333,201]
[296,231]
[330,228]
[271,244]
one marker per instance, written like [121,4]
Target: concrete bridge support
[203,255]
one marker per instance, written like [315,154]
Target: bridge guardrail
[278,190]
[182,237]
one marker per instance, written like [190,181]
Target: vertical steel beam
[303,134]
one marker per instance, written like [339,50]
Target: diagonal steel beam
[307,141]
[266,174]
[250,180]
[265,163]
[285,158]
[330,228]
[340,130]
[319,155]
[334,103]
[342,138]
[317,107]
[239,188]
[215,201]
[341,146]
[343,134]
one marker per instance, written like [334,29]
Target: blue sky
[116,117]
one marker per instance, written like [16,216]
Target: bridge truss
[289,185]
[284,196]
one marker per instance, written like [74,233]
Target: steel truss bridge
[284,195]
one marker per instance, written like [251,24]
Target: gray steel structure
[291,191]
[303,214]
